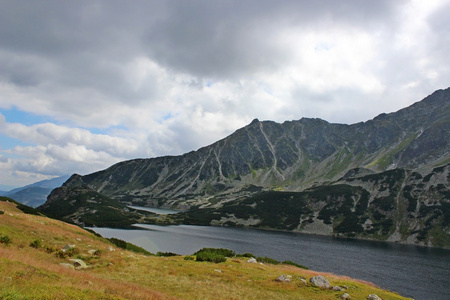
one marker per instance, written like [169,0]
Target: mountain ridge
[293,157]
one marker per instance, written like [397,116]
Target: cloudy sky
[85,84]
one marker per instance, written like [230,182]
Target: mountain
[36,193]
[308,157]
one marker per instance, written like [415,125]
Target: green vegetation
[35,244]
[128,246]
[291,263]
[4,239]
[216,255]
[166,254]
[267,260]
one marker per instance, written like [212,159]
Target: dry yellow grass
[27,272]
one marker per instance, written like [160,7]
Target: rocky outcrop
[320,281]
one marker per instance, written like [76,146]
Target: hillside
[35,194]
[43,258]
[384,179]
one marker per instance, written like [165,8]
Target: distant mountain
[300,157]
[36,193]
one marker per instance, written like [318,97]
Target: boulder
[284,278]
[67,247]
[373,297]
[66,265]
[252,260]
[345,296]
[78,263]
[92,251]
[320,281]
[337,288]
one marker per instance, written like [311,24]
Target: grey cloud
[227,38]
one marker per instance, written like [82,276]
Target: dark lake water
[417,272]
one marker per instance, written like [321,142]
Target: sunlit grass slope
[31,259]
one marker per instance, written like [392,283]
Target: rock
[345,296]
[303,280]
[92,251]
[67,247]
[78,263]
[66,265]
[373,297]
[337,288]
[252,260]
[320,281]
[217,270]
[284,278]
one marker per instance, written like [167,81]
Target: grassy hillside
[34,265]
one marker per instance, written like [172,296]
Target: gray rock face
[320,281]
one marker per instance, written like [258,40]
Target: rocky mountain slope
[305,156]
[396,205]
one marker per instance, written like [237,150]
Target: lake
[412,271]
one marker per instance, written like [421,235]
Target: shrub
[60,254]
[288,262]
[166,254]
[216,255]
[1,212]
[35,244]
[189,257]
[119,243]
[50,249]
[4,239]
[72,251]
[211,257]
[267,260]
[218,251]
[128,246]
[245,255]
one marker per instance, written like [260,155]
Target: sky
[86,84]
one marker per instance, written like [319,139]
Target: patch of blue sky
[8,143]
[15,115]
[107,131]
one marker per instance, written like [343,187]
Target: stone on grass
[78,263]
[337,288]
[284,278]
[67,247]
[66,265]
[320,281]
[373,297]
[252,260]
[345,296]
